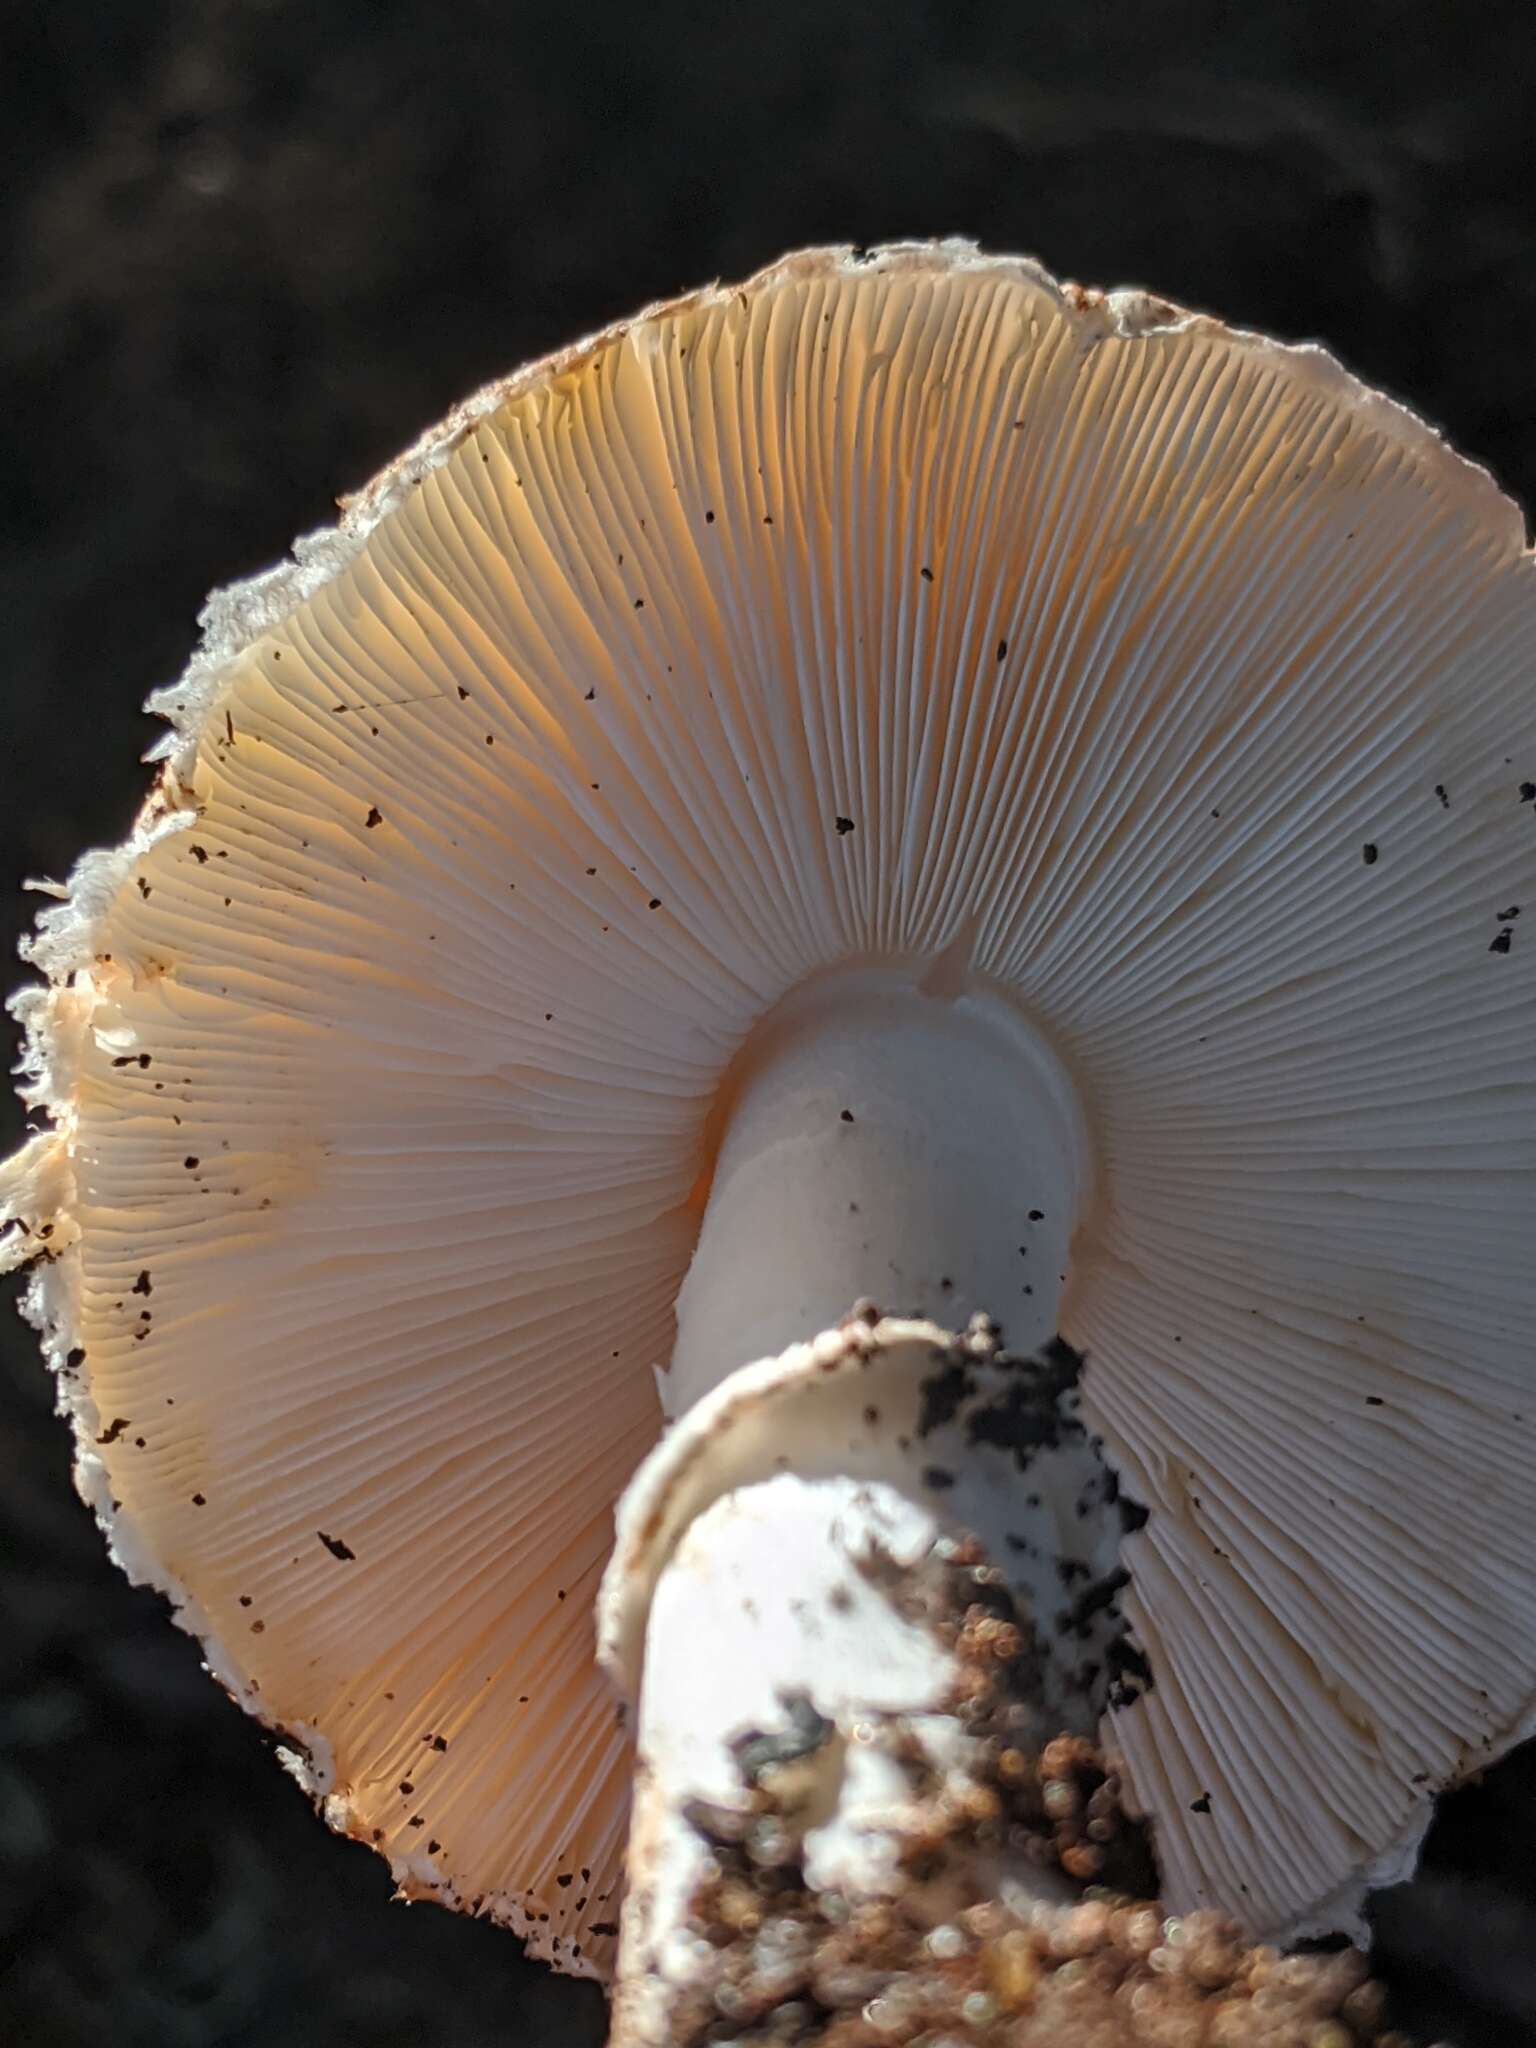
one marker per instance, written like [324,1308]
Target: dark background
[247,249]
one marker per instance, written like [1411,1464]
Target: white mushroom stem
[826,1664]
[905,1137]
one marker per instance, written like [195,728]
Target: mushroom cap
[1187,676]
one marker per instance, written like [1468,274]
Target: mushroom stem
[901,1134]
[857,1591]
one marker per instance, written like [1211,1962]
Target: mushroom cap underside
[826,618]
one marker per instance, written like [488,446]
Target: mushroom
[901,780]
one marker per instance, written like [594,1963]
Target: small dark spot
[1202,1804]
[406,1787]
[1528,792]
[655,903]
[336,1547]
[1502,917]
[871,1416]
[938,1477]
[1373,1400]
[1037,1215]
[1002,650]
[844,826]
[1370,853]
[433,1846]
[199,854]
[143,888]
[639,604]
[463,693]
[490,739]
[438,1742]
[926,574]
[1503,941]
[113,1430]
[1445,802]
[191,1162]
[589,697]
[199,1500]
[142,1284]
[563,1879]
[709,518]
[845,1116]
[245,1600]
[416,1821]
[375,817]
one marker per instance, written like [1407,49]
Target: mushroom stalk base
[844,1701]
[867,1797]
[811,1755]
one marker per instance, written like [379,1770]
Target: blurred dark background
[249,248]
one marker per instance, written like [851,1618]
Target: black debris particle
[336,1547]
[944,1393]
[113,1430]
[1370,853]
[199,854]
[1202,1804]
[844,826]
[1502,941]
[1507,916]
[1445,802]
[375,817]
[939,1477]
[1133,1515]
[1528,792]
[1002,650]
[845,1116]
[655,903]
[1130,1673]
[142,1285]
[199,1500]
[1037,1215]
